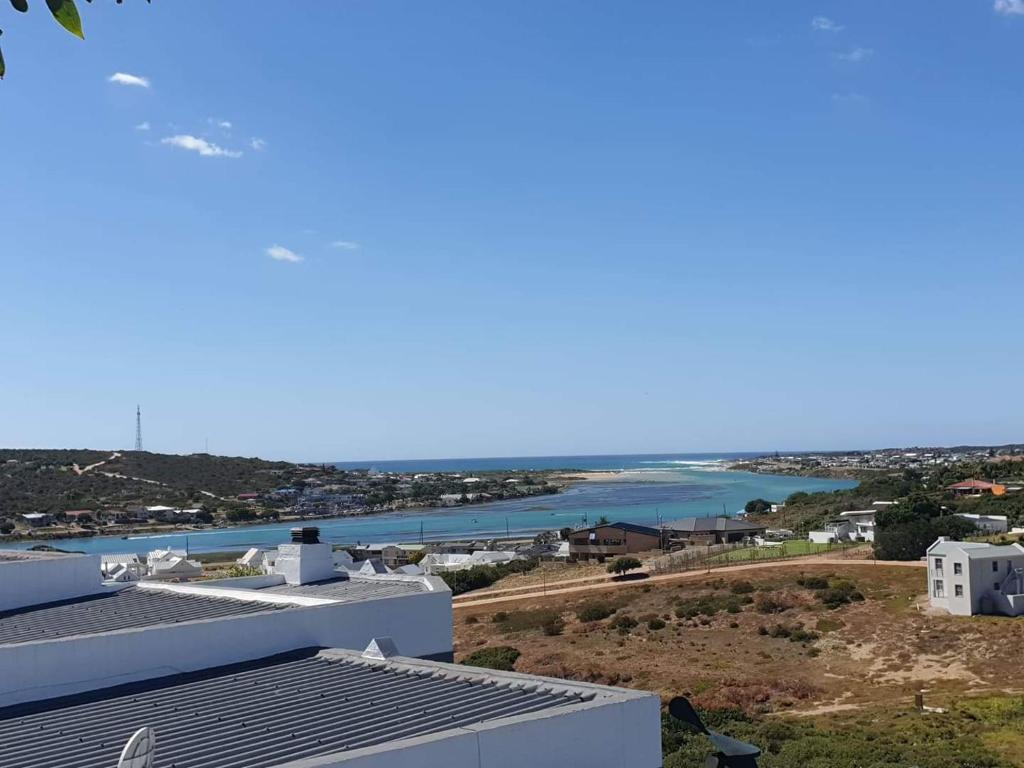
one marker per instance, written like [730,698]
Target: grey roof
[270,712]
[709,524]
[126,609]
[351,589]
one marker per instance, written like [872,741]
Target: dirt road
[559,588]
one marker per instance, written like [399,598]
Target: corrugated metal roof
[351,589]
[267,713]
[126,609]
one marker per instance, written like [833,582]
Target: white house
[172,564]
[986,523]
[856,525]
[967,578]
[121,568]
[441,562]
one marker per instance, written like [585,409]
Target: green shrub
[624,623]
[766,602]
[481,576]
[623,565]
[471,620]
[839,593]
[594,612]
[741,588]
[655,624]
[813,582]
[499,617]
[500,657]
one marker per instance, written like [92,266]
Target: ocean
[657,487]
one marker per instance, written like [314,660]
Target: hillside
[57,480]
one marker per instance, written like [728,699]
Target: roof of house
[967,484]
[709,524]
[277,710]
[351,589]
[124,609]
[975,550]
[629,527]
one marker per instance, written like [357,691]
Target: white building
[986,523]
[856,525]
[440,562]
[968,578]
[172,564]
[270,671]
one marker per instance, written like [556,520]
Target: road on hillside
[556,588]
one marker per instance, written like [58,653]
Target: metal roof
[708,524]
[351,589]
[126,609]
[271,712]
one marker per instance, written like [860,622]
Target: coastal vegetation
[816,664]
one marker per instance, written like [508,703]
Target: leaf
[66,14]
[20,5]
[3,68]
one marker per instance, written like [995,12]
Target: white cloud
[143,126]
[280,253]
[258,144]
[202,146]
[825,24]
[1009,7]
[122,78]
[857,55]
[225,124]
[345,245]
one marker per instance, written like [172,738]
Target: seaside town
[778,599]
[584,384]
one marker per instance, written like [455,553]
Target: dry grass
[881,650]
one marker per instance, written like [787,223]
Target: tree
[6,526]
[757,507]
[602,520]
[910,539]
[623,565]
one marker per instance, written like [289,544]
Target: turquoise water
[656,487]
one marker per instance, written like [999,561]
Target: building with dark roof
[703,531]
[612,540]
[341,708]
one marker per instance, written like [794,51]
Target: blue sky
[512,228]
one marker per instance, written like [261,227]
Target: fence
[720,555]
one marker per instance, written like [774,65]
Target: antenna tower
[138,428]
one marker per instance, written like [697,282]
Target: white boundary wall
[46,578]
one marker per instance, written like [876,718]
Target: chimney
[309,535]
[306,559]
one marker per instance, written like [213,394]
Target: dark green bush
[500,657]
[594,612]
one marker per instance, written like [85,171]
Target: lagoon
[650,488]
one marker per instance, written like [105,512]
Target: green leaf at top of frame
[66,14]
[20,5]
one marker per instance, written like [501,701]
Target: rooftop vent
[309,535]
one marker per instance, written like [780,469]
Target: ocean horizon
[583,462]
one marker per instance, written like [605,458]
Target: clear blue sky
[524,228]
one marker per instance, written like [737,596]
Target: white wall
[420,624]
[48,579]
[598,734]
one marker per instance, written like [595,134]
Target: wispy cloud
[345,245]
[1009,7]
[825,24]
[201,146]
[225,124]
[258,144]
[280,253]
[143,126]
[857,55]
[123,78]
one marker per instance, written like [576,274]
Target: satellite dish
[732,753]
[140,750]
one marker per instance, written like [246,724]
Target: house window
[995,567]
[995,587]
[938,564]
[958,590]
[938,589]
[958,569]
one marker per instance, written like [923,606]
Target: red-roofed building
[976,488]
